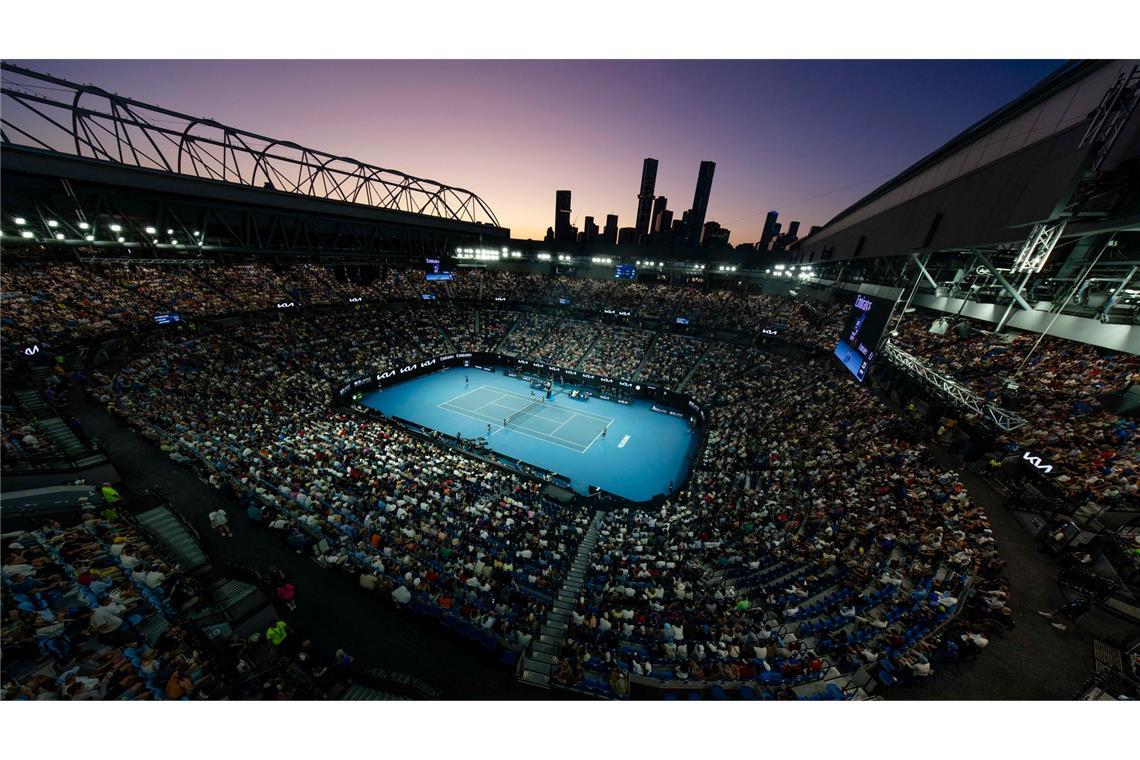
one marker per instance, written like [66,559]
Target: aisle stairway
[538,663]
[169,531]
[693,369]
[593,342]
[63,437]
[31,402]
[636,375]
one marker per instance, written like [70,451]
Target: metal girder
[1014,292]
[921,261]
[49,114]
[96,215]
[950,389]
[1036,249]
[1111,115]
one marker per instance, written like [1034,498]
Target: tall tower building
[659,205]
[610,233]
[768,232]
[562,230]
[701,202]
[589,230]
[793,229]
[645,196]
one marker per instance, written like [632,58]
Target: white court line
[575,445]
[536,416]
[596,437]
[597,417]
[494,401]
[555,430]
[572,414]
[468,393]
[534,434]
[500,397]
[624,441]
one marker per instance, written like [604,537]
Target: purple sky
[780,132]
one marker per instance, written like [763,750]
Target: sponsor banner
[665,410]
[1036,463]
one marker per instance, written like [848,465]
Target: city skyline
[805,138]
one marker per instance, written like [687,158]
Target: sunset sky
[804,137]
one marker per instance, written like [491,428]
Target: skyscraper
[700,202]
[645,196]
[610,233]
[589,230]
[659,206]
[562,229]
[793,229]
[768,231]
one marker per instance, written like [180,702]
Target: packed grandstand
[810,554]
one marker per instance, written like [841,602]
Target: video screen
[625,272]
[862,332]
[437,276]
[168,319]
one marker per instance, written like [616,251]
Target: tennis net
[516,415]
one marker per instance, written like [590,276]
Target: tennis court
[530,415]
[640,455]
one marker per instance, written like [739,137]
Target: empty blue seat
[717,692]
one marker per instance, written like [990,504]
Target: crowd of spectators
[671,359]
[87,612]
[1054,384]
[24,444]
[427,527]
[816,536]
[617,352]
[558,341]
[722,360]
[808,544]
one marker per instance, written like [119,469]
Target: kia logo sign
[1036,462]
[31,351]
[286,305]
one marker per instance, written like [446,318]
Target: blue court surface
[641,452]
